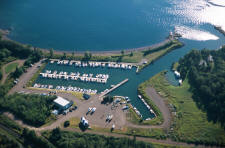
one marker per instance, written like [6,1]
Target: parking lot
[98,118]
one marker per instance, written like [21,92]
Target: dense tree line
[205,71]
[4,53]
[10,50]
[0,75]
[14,49]
[62,139]
[33,109]
[5,121]
[65,139]
[25,138]
[32,140]
[6,142]
[18,51]
[34,57]
[107,99]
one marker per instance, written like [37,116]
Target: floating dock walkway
[116,86]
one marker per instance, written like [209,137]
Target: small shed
[62,103]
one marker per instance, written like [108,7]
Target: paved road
[5,75]
[25,78]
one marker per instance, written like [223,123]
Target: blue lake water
[111,25]
[107,25]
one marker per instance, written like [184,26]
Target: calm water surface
[108,25]
[111,25]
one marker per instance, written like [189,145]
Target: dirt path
[160,103]
[9,131]
[145,139]
[4,74]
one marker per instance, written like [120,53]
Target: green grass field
[155,55]
[190,124]
[11,67]
[175,65]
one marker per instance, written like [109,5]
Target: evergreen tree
[51,53]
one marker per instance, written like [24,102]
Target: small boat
[93,110]
[151,111]
[89,109]
[125,107]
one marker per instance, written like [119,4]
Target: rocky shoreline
[220,29]
[170,38]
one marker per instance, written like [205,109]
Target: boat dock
[114,87]
[93,64]
[98,78]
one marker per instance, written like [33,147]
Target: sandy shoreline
[5,34]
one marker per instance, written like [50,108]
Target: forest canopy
[82,140]
[33,109]
[205,70]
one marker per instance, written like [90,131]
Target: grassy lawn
[11,67]
[51,119]
[153,55]
[78,95]
[175,65]
[157,133]
[190,124]
[136,57]
[134,118]
[159,53]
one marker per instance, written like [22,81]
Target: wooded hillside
[205,70]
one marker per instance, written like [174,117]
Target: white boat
[125,107]
[151,111]
[109,117]
[93,110]
[89,109]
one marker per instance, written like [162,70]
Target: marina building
[62,103]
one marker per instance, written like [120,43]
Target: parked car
[65,112]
